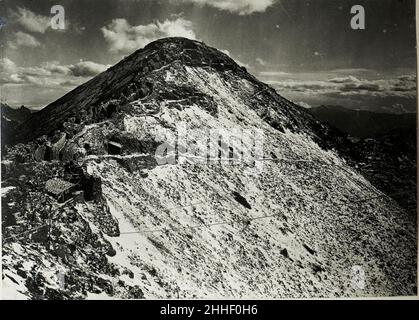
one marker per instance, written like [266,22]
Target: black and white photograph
[208,149]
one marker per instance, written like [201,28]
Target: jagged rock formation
[152,217]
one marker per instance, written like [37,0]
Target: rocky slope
[272,210]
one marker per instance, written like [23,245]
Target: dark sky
[305,49]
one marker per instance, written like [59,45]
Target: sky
[305,49]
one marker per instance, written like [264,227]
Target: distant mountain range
[17,115]
[362,124]
[11,118]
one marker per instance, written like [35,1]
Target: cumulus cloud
[87,69]
[53,67]
[8,72]
[303,104]
[382,95]
[124,38]
[302,85]
[50,74]
[37,86]
[361,86]
[261,62]
[22,39]
[80,69]
[30,21]
[240,63]
[226,52]
[345,79]
[7,65]
[351,70]
[404,86]
[409,77]
[273,73]
[241,7]
[70,83]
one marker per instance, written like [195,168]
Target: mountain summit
[177,174]
[142,76]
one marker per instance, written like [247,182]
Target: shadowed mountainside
[364,124]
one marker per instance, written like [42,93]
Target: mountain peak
[159,160]
[184,50]
[141,71]
[175,42]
